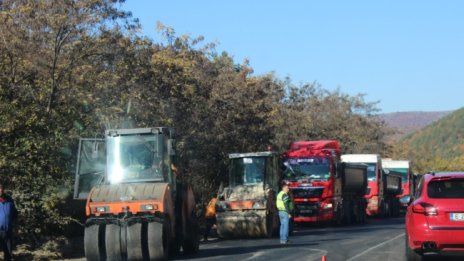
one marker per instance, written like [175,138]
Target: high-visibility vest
[280,201]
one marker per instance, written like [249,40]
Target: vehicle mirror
[221,188]
[95,150]
[338,169]
[411,199]
[171,145]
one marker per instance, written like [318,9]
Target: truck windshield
[371,171]
[401,172]
[135,158]
[247,171]
[307,168]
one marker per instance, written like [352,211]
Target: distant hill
[405,123]
[438,146]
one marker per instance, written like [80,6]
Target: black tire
[388,209]
[174,246]
[113,242]
[363,214]
[157,240]
[135,242]
[338,221]
[411,255]
[396,209]
[348,214]
[94,243]
[269,225]
[382,210]
[191,243]
[291,226]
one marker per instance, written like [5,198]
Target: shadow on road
[237,249]
[371,225]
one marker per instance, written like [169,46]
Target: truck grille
[307,209]
[307,192]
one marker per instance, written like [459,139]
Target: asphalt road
[379,239]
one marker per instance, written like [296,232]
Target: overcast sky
[409,55]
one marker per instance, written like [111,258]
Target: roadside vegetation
[437,147]
[71,69]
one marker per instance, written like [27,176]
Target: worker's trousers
[5,244]
[284,220]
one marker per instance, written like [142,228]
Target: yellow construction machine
[247,206]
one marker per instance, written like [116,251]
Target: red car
[435,219]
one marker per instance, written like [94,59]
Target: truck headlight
[149,207]
[102,209]
[327,206]
[259,204]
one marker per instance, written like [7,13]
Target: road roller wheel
[113,242]
[134,242]
[94,243]
[191,243]
[157,240]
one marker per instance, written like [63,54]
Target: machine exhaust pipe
[429,247]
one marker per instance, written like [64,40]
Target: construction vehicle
[402,169]
[247,206]
[324,189]
[383,188]
[138,207]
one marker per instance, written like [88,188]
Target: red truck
[383,188]
[324,189]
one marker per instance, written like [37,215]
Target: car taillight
[424,208]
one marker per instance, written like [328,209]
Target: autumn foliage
[71,69]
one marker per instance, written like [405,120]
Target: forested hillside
[437,147]
[71,69]
[405,123]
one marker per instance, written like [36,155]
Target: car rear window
[446,189]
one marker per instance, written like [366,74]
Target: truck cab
[323,189]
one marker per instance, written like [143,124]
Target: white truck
[383,189]
[401,168]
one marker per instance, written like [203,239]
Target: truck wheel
[191,243]
[338,216]
[94,243]
[113,242]
[382,210]
[362,213]
[291,226]
[157,240]
[396,209]
[349,215]
[388,209]
[134,242]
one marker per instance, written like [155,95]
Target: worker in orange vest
[210,217]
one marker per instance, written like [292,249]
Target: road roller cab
[246,207]
[138,207]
